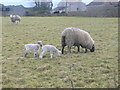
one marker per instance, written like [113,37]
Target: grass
[86,70]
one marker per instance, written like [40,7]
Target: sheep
[32,47]
[76,37]
[15,19]
[49,48]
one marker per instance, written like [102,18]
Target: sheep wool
[49,48]
[15,19]
[32,47]
[76,37]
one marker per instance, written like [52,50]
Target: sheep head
[93,48]
[40,43]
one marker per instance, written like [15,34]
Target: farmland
[98,69]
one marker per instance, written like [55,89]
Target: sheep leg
[35,54]
[69,49]
[78,48]
[41,55]
[63,49]
[51,54]
[85,50]
[25,53]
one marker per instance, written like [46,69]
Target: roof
[59,8]
[102,3]
[1,5]
[15,6]
[95,3]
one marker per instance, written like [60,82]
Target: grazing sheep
[15,19]
[49,48]
[32,47]
[76,37]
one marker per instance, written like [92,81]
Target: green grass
[89,70]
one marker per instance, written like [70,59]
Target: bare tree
[43,6]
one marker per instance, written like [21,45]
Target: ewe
[15,19]
[49,48]
[32,47]
[76,37]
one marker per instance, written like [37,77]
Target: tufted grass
[85,70]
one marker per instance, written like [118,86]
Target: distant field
[88,70]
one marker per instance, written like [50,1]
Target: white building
[70,6]
[11,9]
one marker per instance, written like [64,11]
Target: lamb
[76,37]
[49,48]
[15,19]
[32,47]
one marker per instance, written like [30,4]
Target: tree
[43,6]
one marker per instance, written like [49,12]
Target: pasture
[97,69]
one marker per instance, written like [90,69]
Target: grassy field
[79,70]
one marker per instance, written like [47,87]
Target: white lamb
[49,48]
[32,47]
